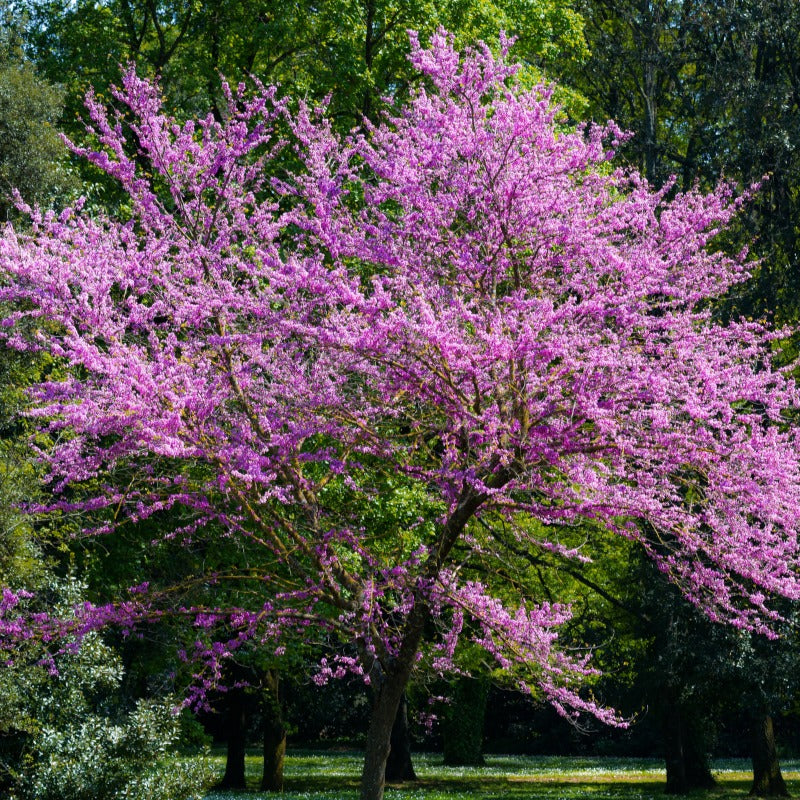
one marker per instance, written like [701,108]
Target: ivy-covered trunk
[767,778]
[463,722]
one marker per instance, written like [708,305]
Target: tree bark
[235,733]
[388,689]
[384,710]
[686,760]
[399,767]
[392,683]
[767,778]
[673,751]
[274,735]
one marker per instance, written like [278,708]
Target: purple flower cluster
[465,298]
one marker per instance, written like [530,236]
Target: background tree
[646,73]
[711,90]
[352,49]
[756,114]
[33,160]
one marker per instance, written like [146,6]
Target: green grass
[314,775]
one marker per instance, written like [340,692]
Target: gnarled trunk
[767,778]
[389,685]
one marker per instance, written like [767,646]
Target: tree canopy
[354,50]
[464,301]
[32,157]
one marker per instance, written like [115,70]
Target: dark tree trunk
[274,735]
[388,690]
[673,751]
[235,732]
[399,767]
[698,769]
[384,711]
[684,751]
[390,685]
[463,723]
[767,778]
[369,54]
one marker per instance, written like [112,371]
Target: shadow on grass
[503,788]
[335,776]
[491,789]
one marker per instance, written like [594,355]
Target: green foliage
[32,157]
[98,758]
[462,726]
[354,50]
[21,561]
[72,736]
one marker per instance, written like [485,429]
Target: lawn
[314,775]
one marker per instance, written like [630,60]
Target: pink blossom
[464,298]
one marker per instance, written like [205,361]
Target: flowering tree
[463,310]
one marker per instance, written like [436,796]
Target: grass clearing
[334,775]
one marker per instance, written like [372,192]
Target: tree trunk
[399,767]
[384,711]
[684,751]
[369,54]
[697,767]
[274,735]
[235,733]
[389,686]
[673,751]
[767,778]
